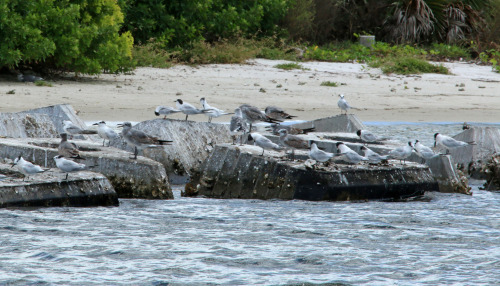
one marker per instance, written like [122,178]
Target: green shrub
[288,66]
[329,83]
[181,23]
[407,65]
[69,35]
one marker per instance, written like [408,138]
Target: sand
[471,93]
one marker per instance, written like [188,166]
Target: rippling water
[444,239]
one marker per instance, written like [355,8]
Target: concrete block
[450,180]
[49,189]
[192,143]
[24,125]
[141,178]
[58,113]
[340,123]
[251,176]
[471,159]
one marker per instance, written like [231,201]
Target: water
[445,239]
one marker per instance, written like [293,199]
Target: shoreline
[471,94]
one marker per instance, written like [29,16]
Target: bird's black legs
[187,117]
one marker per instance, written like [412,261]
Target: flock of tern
[240,124]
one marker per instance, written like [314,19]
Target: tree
[64,35]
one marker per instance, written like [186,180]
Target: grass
[401,59]
[407,65]
[43,83]
[289,66]
[329,83]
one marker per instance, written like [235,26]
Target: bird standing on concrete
[348,154]
[276,127]
[238,125]
[448,142]
[27,168]
[211,111]
[367,136]
[253,114]
[139,139]
[187,108]
[278,113]
[319,155]
[423,151]
[105,132]
[165,110]
[372,156]
[343,105]
[401,153]
[71,128]
[292,141]
[68,166]
[263,142]
[68,149]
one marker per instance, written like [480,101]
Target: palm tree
[415,21]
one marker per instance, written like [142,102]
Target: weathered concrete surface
[141,178]
[450,179]
[339,123]
[192,143]
[24,125]
[49,189]
[470,159]
[58,113]
[239,172]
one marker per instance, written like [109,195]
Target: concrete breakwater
[193,141]
[233,171]
[49,189]
[141,178]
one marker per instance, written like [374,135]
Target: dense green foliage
[67,35]
[180,23]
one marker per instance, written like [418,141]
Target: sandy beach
[471,93]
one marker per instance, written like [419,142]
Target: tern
[448,142]
[211,111]
[372,156]
[348,154]
[292,141]
[343,105]
[262,142]
[139,139]
[401,153]
[367,136]
[71,128]
[105,132]
[187,108]
[26,167]
[319,155]
[68,166]
[423,151]
[165,110]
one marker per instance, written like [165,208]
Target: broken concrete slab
[471,158]
[450,180]
[59,113]
[141,178]
[192,143]
[49,189]
[26,125]
[240,172]
[339,123]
